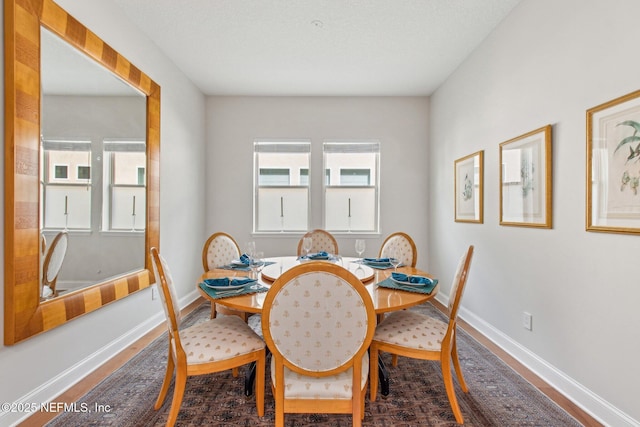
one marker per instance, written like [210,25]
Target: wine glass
[306,244]
[360,246]
[257,263]
[394,259]
[250,249]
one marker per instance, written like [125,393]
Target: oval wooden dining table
[385,300]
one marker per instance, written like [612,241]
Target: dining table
[388,295]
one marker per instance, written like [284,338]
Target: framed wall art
[469,182]
[613,166]
[525,179]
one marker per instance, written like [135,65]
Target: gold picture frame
[613,166]
[525,179]
[469,188]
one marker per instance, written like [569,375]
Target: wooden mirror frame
[25,315]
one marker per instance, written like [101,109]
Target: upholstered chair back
[166,289]
[400,245]
[318,320]
[321,240]
[53,260]
[220,249]
[459,281]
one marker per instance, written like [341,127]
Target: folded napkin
[401,277]
[377,259]
[318,255]
[245,259]
[225,281]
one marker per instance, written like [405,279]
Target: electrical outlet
[154,292]
[527,321]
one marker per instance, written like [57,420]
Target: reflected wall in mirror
[108,143]
[92,166]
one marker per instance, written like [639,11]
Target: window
[142,177]
[351,191]
[281,186]
[357,177]
[61,172]
[273,177]
[84,172]
[304,176]
[124,183]
[65,201]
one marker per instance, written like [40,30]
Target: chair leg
[445,365]
[260,372]
[213,310]
[394,360]
[234,372]
[373,372]
[456,365]
[356,408]
[178,393]
[167,380]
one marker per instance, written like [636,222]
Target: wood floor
[85,385]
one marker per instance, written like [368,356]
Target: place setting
[408,282]
[381,263]
[248,261]
[222,287]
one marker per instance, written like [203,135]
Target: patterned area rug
[498,396]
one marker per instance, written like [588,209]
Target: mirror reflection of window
[124,182]
[66,198]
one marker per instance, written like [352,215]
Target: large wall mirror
[82,134]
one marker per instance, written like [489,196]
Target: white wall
[547,63]
[399,123]
[41,367]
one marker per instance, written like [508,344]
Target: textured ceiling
[317,47]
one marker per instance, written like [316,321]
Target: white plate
[228,287]
[399,282]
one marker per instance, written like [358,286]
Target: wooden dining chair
[400,245]
[411,334]
[211,346]
[321,240]
[53,263]
[219,250]
[318,320]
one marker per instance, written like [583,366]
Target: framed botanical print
[525,179]
[613,166]
[469,179]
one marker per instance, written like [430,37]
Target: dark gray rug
[498,396]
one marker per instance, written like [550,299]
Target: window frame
[108,185]
[263,146]
[50,182]
[352,146]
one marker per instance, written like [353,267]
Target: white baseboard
[57,385]
[590,402]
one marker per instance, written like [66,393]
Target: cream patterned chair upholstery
[321,240]
[400,245]
[211,346]
[411,334]
[318,320]
[219,250]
